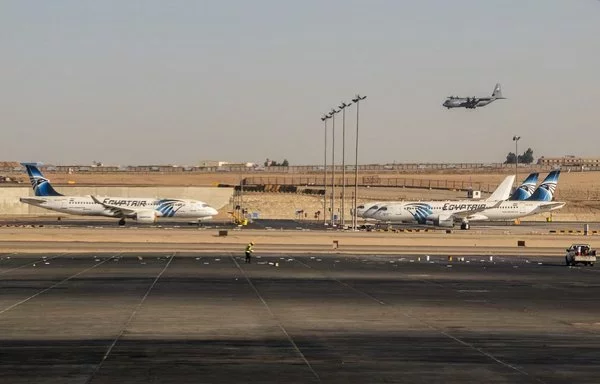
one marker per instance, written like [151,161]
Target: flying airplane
[473,102]
[142,210]
[445,213]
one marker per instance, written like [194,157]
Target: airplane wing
[552,206]
[115,209]
[32,200]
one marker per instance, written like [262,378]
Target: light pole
[356,101]
[343,214]
[516,140]
[324,120]
[332,115]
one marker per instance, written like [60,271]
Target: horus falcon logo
[529,188]
[36,182]
[168,207]
[419,211]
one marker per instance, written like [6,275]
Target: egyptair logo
[37,182]
[168,207]
[419,211]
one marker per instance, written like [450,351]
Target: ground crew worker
[249,251]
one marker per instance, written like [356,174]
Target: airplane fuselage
[85,205]
[423,212]
[465,102]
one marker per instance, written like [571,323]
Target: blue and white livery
[143,210]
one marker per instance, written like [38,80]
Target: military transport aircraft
[473,102]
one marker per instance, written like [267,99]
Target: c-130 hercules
[473,102]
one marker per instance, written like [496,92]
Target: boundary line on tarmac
[54,285]
[31,263]
[137,307]
[290,339]
[427,324]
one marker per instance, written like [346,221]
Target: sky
[178,82]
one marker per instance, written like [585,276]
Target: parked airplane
[502,192]
[143,210]
[445,213]
[473,102]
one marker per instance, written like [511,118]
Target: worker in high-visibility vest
[249,251]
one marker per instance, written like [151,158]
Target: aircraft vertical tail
[525,190]
[41,185]
[497,94]
[545,192]
[503,190]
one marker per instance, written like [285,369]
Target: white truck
[580,253]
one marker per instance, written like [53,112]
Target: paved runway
[198,318]
[82,221]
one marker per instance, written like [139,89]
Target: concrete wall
[10,204]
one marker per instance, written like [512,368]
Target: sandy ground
[78,239]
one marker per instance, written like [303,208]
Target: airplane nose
[213,212]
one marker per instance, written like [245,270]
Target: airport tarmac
[77,222]
[191,317]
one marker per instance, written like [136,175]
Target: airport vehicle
[473,102]
[580,254]
[142,210]
[446,213]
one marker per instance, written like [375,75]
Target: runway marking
[430,326]
[290,339]
[53,285]
[31,263]
[112,345]
[346,285]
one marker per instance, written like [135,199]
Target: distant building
[569,160]
[215,163]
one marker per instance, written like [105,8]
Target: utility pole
[324,119]
[356,101]
[343,213]
[516,140]
[332,115]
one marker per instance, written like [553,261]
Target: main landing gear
[122,221]
[465,225]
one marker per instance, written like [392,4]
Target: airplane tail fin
[41,185]
[497,94]
[503,190]
[545,191]
[525,190]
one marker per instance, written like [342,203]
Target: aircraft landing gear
[465,226]
[122,221]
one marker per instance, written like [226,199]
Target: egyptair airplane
[473,102]
[502,192]
[445,213]
[142,210]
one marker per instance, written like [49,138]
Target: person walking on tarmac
[249,252]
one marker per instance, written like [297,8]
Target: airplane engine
[444,221]
[146,217]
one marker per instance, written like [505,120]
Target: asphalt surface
[198,318]
[75,221]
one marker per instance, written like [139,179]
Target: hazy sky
[138,82]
